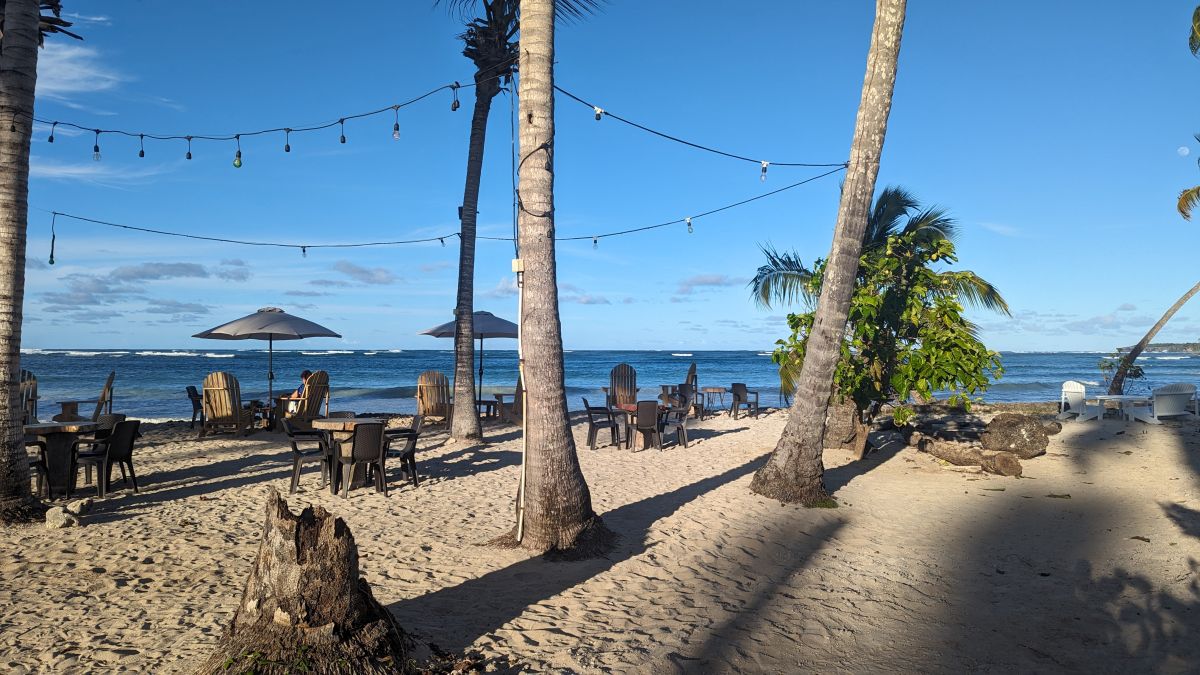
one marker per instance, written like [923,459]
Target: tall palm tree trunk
[465,423]
[794,471]
[18,74]
[1117,386]
[557,504]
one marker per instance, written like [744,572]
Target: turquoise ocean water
[150,383]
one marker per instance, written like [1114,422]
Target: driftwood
[998,462]
[305,607]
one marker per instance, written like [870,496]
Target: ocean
[150,384]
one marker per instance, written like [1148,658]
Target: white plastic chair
[1074,402]
[1168,401]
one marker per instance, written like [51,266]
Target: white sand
[923,568]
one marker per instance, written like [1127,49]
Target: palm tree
[794,471]
[491,45]
[554,504]
[1191,196]
[1117,385]
[785,280]
[22,29]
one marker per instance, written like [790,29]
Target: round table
[59,438]
[342,429]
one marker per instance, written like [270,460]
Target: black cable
[669,137]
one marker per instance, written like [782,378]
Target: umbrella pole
[270,369]
[479,389]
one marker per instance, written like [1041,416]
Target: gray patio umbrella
[487,325]
[270,324]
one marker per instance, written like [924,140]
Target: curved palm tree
[785,280]
[490,42]
[22,29]
[1191,196]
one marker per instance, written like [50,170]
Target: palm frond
[1187,201]
[1194,38]
[890,206]
[567,11]
[975,291]
[783,280]
[931,225]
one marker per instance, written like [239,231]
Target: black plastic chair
[300,456]
[743,398]
[366,447]
[676,419]
[37,465]
[197,406]
[649,424]
[599,418]
[116,449]
[697,404]
[408,454]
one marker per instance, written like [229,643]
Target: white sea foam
[681,354]
[370,353]
[1170,358]
[166,354]
[327,353]
[765,354]
[212,355]
[395,351]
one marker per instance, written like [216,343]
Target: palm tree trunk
[557,504]
[18,74]
[1117,385]
[794,471]
[465,424]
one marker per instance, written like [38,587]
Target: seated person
[293,399]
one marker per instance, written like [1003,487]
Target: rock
[1022,435]
[1052,427]
[58,518]
[80,507]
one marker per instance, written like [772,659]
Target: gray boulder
[58,518]
[80,507]
[1022,435]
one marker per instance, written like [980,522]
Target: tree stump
[997,462]
[305,608]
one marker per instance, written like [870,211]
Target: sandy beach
[1088,563]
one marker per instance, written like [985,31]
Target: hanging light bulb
[287,140]
[53,218]
[51,139]
[189,152]
[763,176]
[12,125]
[396,125]
[443,242]
[141,145]
[96,146]
[237,156]
[689,224]
[342,122]
[599,112]
[304,251]
[595,242]
[454,101]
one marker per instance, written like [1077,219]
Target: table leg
[59,476]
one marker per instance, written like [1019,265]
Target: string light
[454,92]
[442,238]
[304,251]
[600,111]
[689,224]
[342,123]
[141,145]
[396,125]
[53,236]
[51,138]
[96,146]
[189,152]
[762,177]
[287,140]
[12,124]
[237,156]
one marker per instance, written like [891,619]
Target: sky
[1058,135]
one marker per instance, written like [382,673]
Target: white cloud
[107,174]
[691,284]
[374,275]
[507,288]
[66,70]
[1002,230]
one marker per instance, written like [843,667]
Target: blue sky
[1059,135]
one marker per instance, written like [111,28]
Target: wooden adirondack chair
[70,408]
[512,412]
[223,406]
[433,396]
[29,397]
[314,403]
[622,389]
